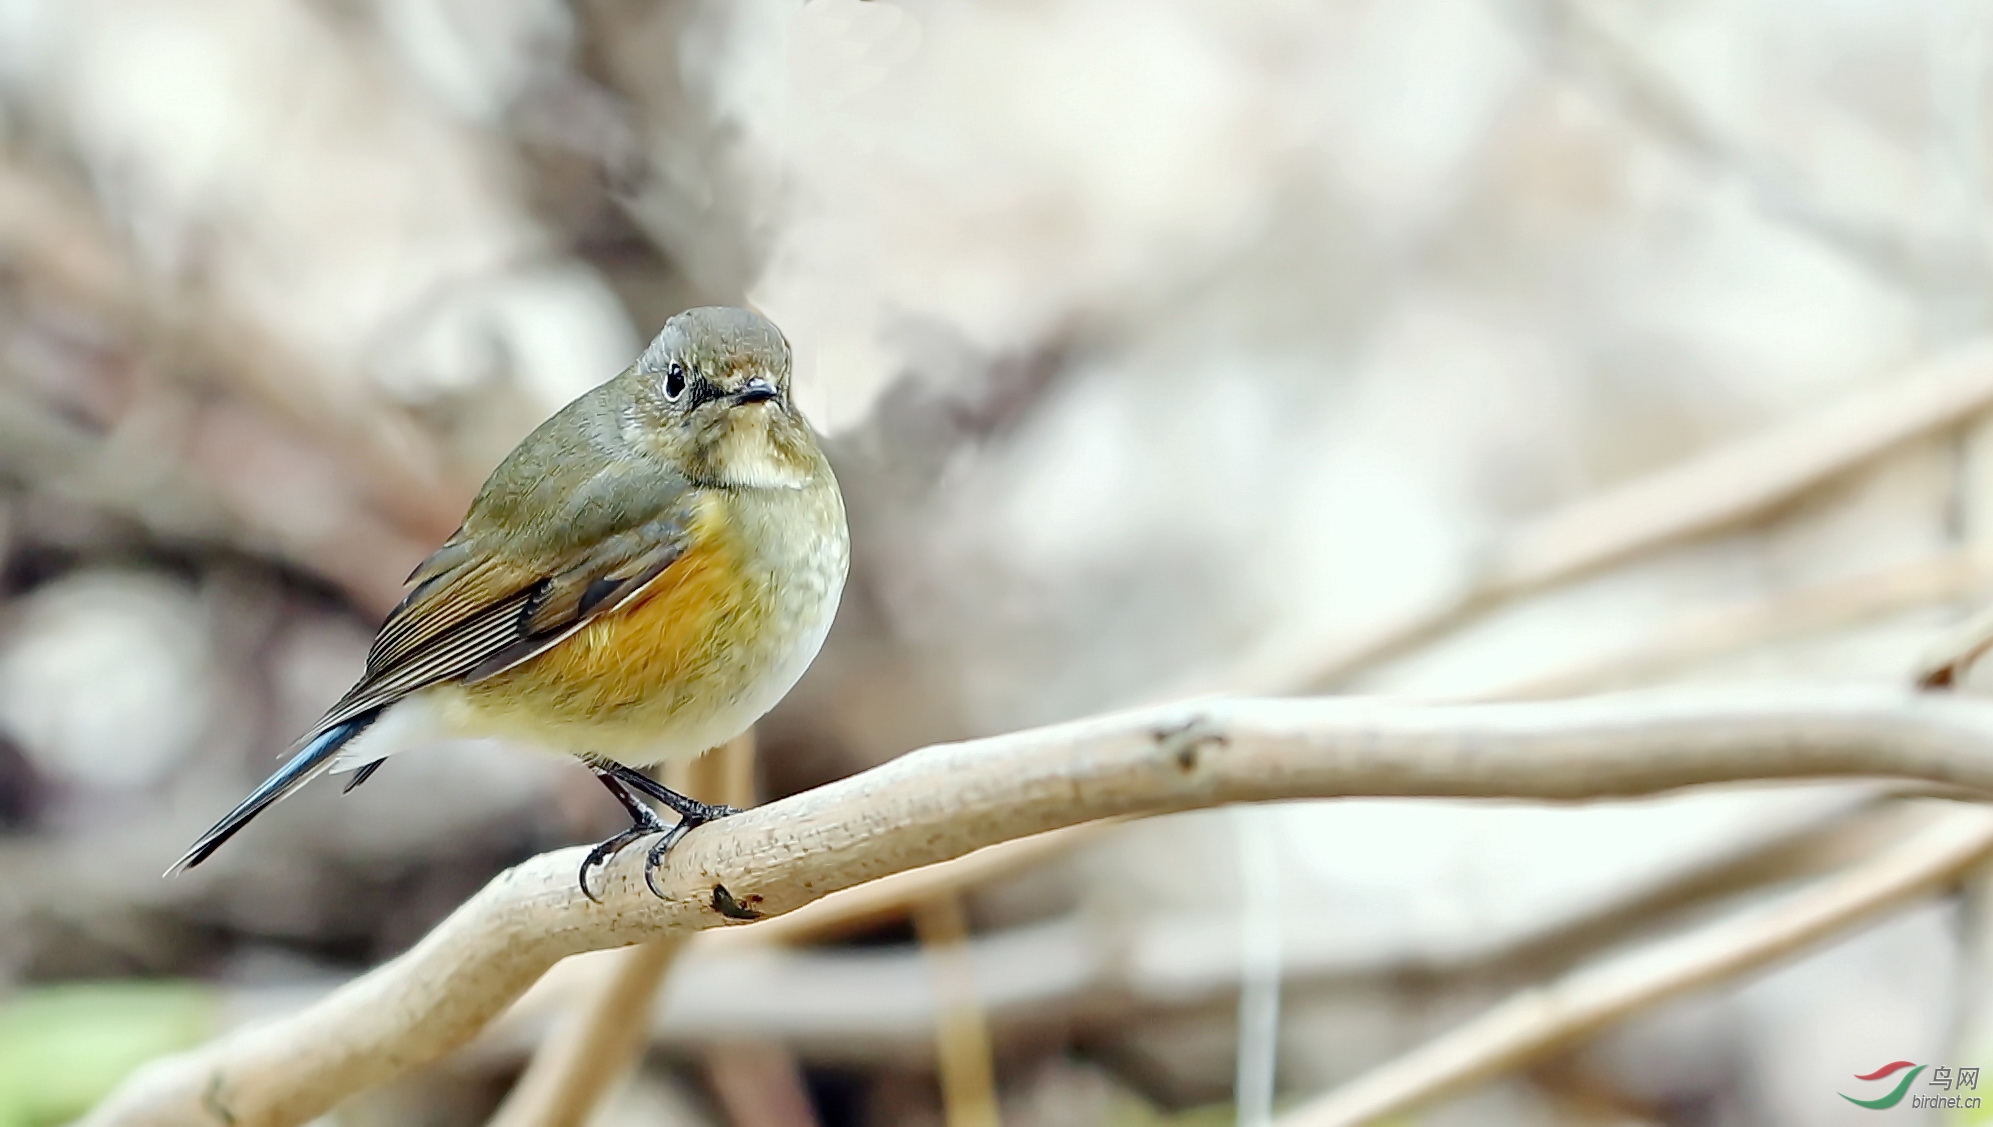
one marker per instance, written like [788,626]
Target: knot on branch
[725,904]
[1186,741]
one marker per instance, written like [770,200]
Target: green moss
[63,1048]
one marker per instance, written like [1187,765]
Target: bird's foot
[690,817]
[645,825]
[621,782]
[685,806]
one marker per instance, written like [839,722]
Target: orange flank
[673,642]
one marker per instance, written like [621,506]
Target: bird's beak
[757,390]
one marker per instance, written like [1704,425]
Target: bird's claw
[687,822]
[601,855]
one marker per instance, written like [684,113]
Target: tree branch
[867,1005]
[943,801]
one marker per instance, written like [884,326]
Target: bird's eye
[674,381]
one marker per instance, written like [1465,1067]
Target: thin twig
[961,1030]
[947,800]
[1262,966]
[1706,493]
[584,1057]
[1700,636]
[1541,1020]
[1970,1022]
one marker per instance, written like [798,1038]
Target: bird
[648,573]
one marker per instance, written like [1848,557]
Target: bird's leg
[697,812]
[691,812]
[643,822]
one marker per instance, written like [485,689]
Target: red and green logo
[1895,1095]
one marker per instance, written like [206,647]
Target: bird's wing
[471,613]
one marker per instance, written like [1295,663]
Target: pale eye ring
[674,381]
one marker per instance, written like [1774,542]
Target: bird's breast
[694,658]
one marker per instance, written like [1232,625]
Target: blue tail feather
[305,766]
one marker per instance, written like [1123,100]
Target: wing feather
[570,600]
[472,615]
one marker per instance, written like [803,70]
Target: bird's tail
[305,766]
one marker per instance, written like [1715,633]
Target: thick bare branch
[946,800]
[866,1005]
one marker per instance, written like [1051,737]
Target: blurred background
[1160,347]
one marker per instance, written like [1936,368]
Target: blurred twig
[946,800]
[184,488]
[1698,637]
[42,447]
[45,235]
[759,1084]
[962,1031]
[1543,1019]
[1650,101]
[372,450]
[1262,966]
[1806,850]
[1717,489]
[585,1056]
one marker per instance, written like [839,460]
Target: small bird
[640,580]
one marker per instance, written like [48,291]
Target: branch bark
[867,1006]
[944,801]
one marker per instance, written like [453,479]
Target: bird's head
[712,392]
